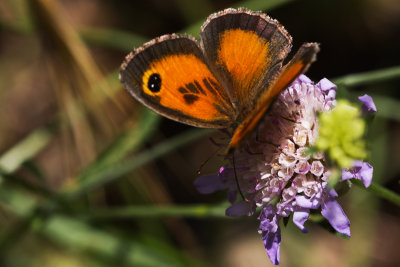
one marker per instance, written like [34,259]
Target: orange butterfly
[228,79]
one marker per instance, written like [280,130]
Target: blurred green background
[88,177]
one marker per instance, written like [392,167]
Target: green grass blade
[369,77]
[24,150]
[110,173]
[263,5]
[126,143]
[381,192]
[193,10]
[151,211]
[80,236]
[387,107]
[111,38]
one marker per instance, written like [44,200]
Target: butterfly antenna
[237,180]
[207,160]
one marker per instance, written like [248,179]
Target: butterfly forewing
[170,76]
[245,50]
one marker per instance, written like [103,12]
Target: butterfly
[227,79]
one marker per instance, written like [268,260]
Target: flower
[361,170]
[368,105]
[340,133]
[276,171]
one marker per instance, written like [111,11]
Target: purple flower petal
[366,174]
[361,170]
[208,184]
[224,171]
[241,208]
[331,94]
[332,193]
[269,221]
[303,78]
[300,217]
[368,105]
[307,203]
[272,241]
[332,211]
[232,196]
[347,174]
[326,85]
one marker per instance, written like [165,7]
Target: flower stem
[380,191]
[357,79]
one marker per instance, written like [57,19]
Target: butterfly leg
[237,180]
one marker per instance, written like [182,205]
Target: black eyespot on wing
[154,83]
[190,99]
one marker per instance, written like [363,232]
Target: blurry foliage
[91,178]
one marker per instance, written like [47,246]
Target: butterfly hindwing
[170,76]
[245,49]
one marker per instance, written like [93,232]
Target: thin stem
[388,107]
[380,191]
[151,211]
[22,183]
[357,79]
